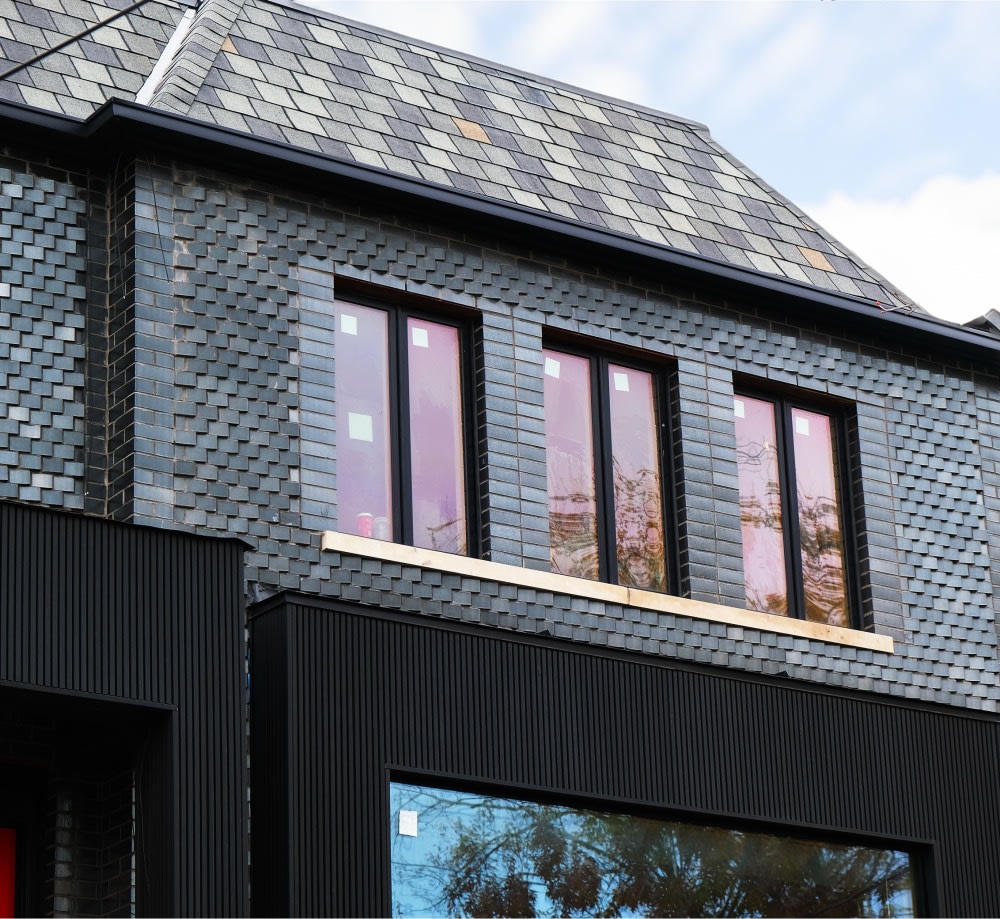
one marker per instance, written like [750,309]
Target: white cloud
[770,72]
[450,25]
[939,245]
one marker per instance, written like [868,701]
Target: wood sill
[596,590]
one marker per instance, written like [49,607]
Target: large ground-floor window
[465,854]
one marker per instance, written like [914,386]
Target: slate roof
[275,69]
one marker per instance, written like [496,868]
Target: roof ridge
[200,41]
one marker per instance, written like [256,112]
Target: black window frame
[599,359]
[398,310]
[840,417]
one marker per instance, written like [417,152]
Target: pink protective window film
[437,465]
[569,450]
[364,467]
[824,579]
[8,870]
[764,569]
[639,536]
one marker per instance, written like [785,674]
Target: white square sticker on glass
[348,324]
[420,337]
[738,408]
[552,367]
[802,425]
[359,427]
[407,823]
[621,381]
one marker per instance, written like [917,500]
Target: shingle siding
[43,261]
[234,395]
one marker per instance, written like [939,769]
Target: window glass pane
[820,528]
[8,866]
[364,469]
[569,448]
[464,854]
[760,506]
[639,535]
[437,465]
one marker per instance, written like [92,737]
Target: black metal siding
[373,693]
[272,864]
[155,618]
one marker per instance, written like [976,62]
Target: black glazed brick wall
[42,336]
[221,387]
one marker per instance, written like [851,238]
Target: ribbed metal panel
[269,748]
[371,693]
[147,616]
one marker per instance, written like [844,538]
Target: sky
[881,120]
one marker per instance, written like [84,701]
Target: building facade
[569,473]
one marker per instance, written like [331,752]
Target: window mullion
[790,510]
[399,422]
[606,518]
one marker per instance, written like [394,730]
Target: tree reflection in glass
[809,449]
[475,855]
[630,491]
[639,539]
[764,568]
[820,528]
[569,457]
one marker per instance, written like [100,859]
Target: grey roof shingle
[110,62]
[312,80]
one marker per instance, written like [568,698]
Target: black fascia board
[120,124]
[24,123]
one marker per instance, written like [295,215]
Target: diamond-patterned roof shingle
[314,81]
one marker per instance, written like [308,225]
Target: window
[792,510]
[8,865]
[402,470]
[458,853]
[604,471]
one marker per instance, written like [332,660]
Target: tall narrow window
[8,870]
[792,510]
[401,460]
[605,481]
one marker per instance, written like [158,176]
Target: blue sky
[880,119]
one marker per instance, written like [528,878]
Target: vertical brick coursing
[96,414]
[122,355]
[707,489]
[91,844]
[82,819]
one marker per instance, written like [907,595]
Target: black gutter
[125,122]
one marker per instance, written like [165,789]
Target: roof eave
[136,121]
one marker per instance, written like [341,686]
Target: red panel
[8,851]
